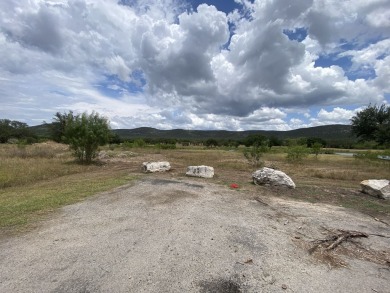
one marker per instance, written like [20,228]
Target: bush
[255,153]
[85,133]
[296,154]
[139,143]
[316,148]
[127,144]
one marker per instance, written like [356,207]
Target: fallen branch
[332,241]
[260,201]
[379,235]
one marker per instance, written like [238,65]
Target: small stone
[284,286]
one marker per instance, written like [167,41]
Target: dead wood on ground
[335,240]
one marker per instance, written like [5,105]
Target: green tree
[373,123]
[316,148]
[85,133]
[296,154]
[275,141]
[57,127]
[313,140]
[255,139]
[211,143]
[13,129]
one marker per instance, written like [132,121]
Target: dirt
[175,234]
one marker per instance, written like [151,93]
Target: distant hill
[330,133]
[41,130]
[326,132]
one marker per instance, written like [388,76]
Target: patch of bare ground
[166,234]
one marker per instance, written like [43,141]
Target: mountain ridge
[332,132]
[335,132]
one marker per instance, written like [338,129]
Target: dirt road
[168,235]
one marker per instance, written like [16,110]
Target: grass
[35,180]
[20,205]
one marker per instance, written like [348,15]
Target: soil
[174,234]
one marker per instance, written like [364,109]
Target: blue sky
[232,65]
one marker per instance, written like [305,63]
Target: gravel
[182,235]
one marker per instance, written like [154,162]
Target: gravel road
[186,235]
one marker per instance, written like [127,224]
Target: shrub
[127,145]
[296,154]
[85,133]
[316,148]
[139,143]
[255,153]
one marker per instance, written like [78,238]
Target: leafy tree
[255,139]
[57,127]
[85,133]
[373,123]
[274,141]
[211,142]
[296,154]
[313,140]
[114,138]
[13,129]
[316,148]
[230,143]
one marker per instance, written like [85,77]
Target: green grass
[20,205]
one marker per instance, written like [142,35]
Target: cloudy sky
[212,64]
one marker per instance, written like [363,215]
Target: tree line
[84,133]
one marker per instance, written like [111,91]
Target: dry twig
[335,240]
[260,201]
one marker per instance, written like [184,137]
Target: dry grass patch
[32,184]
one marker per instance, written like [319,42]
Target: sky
[168,64]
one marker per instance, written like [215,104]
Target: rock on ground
[200,171]
[378,188]
[268,176]
[151,167]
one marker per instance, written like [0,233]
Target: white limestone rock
[378,188]
[200,171]
[268,176]
[151,167]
